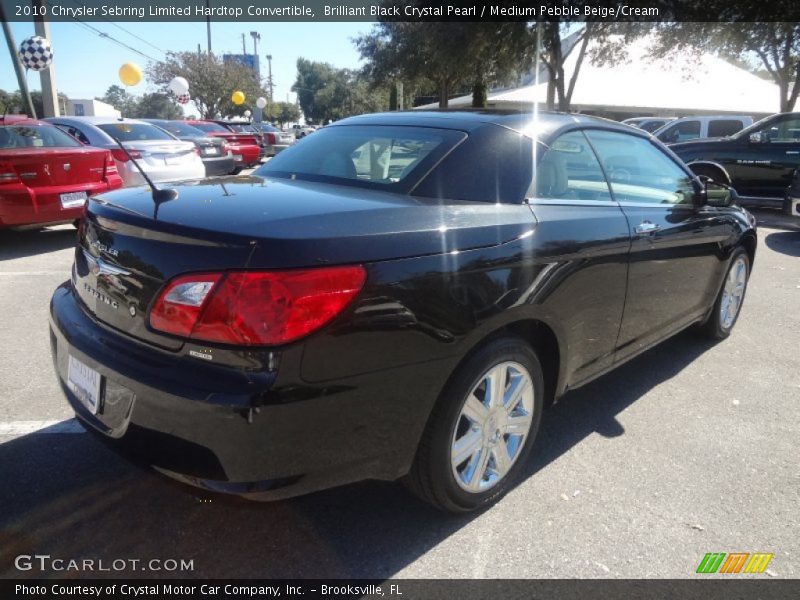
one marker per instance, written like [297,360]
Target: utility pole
[208,26]
[244,49]
[12,50]
[256,63]
[47,76]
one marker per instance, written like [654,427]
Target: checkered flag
[36,53]
[183,98]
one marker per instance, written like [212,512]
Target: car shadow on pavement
[785,242]
[66,495]
[19,244]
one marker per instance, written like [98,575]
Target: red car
[47,175]
[244,147]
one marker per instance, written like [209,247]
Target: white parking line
[25,273]
[20,428]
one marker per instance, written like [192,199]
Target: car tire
[236,170]
[439,476]
[729,301]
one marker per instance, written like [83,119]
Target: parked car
[46,176]
[275,140]
[246,128]
[759,161]
[648,123]
[217,158]
[161,155]
[324,321]
[245,148]
[690,128]
[301,131]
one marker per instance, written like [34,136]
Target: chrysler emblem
[100,267]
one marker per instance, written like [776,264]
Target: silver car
[161,155]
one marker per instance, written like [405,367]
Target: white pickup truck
[301,131]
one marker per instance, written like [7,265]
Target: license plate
[84,382]
[212,150]
[73,199]
[173,160]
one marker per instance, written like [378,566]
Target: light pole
[256,63]
[12,50]
[47,77]
[270,84]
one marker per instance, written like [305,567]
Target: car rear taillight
[120,155]
[110,168]
[224,148]
[255,308]
[196,151]
[271,139]
[7,173]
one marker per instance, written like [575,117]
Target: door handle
[793,152]
[646,227]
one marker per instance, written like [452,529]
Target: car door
[582,235]
[769,155]
[675,262]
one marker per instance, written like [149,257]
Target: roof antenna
[160,195]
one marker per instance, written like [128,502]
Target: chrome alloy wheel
[733,292]
[492,428]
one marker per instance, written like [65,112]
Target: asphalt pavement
[688,449]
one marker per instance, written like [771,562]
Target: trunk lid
[41,167]
[121,264]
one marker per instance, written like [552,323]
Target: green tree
[211,82]
[326,93]
[446,55]
[282,113]
[118,97]
[156,106]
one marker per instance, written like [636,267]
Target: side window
[785,129]
[568,169]
[680,132]
[493,164]
[74,133]
[640,172]
[724,127]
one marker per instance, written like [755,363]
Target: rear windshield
[268,127]
[241,127]
[35,136]
[211,127]
[134,132]
[368,156]
[180,129]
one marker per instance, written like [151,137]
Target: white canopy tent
[673,86]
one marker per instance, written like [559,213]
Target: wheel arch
[711,169]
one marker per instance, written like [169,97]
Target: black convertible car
[398,296]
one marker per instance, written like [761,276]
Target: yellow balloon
[130,74]
[237,97]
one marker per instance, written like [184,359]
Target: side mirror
[718,194]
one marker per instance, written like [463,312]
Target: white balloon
[247,113]
[178,86]
[261,102]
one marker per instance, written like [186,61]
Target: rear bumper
[273,149]
[227,429]
[21,205]
[246,155]
[224,165]
[193,169]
